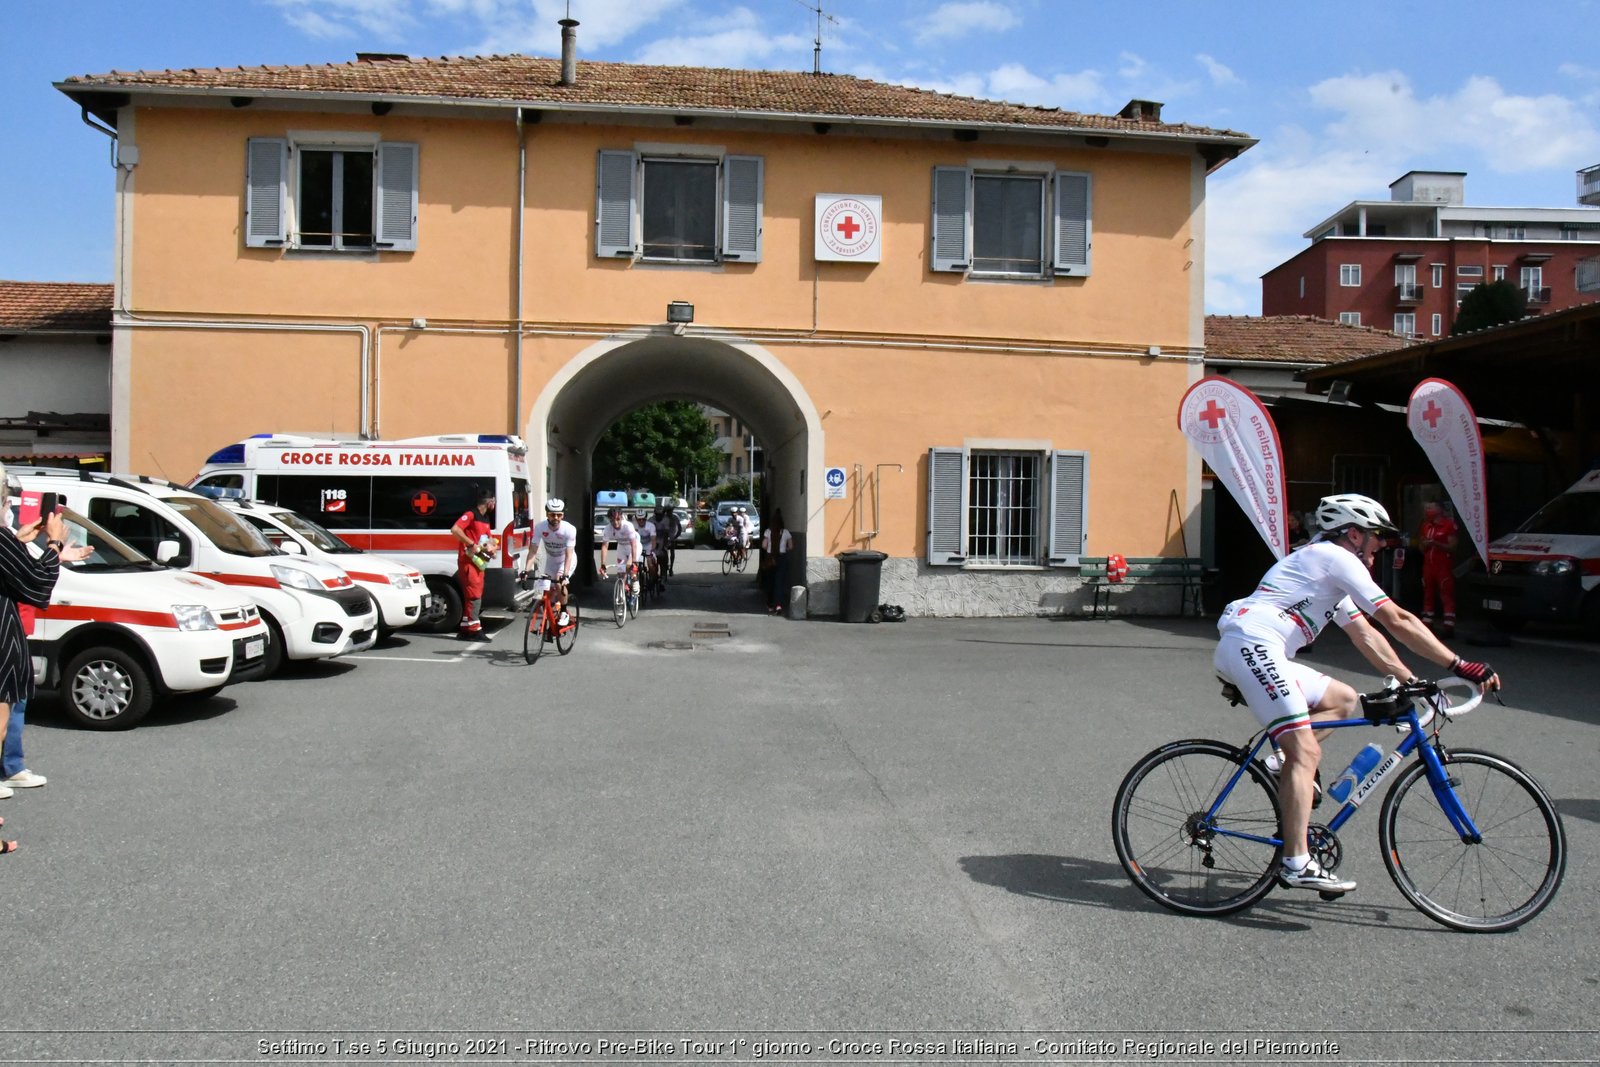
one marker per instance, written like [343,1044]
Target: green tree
[654,447]
[1494,304]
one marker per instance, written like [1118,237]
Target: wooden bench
[1184,572]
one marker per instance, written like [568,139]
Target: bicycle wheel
[1172,850]
[533,633]
[567,636]
[633,600]
[1497,883]
[744,557]
[727,561]
[619,600]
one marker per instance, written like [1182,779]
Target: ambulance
[1549,569]
[397,588]
[122,633]
[312,610]
[395,498]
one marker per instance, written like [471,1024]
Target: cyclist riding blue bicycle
[1325,581]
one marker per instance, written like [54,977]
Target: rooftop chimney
[1141,111]
[569,51]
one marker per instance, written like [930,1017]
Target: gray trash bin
[859,575]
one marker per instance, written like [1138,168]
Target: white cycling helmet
[555,503]
[1353,509]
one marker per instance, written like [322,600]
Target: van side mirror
[293,547]
[166,552]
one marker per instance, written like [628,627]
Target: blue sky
[1343,97]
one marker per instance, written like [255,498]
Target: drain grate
[673,646]
[710,629]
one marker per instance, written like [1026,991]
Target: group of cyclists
[736,534]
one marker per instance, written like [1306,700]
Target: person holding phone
[24,579]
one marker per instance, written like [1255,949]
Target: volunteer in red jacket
[474,532]
[1438,565]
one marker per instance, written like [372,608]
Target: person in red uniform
[470,530]
[1438,565]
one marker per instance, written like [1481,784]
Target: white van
[121,631]
[313,610]
[396,498]
[398,589]
[1549,569]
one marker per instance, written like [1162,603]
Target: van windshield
[110,554]
[1576,514]
[326,540]
[223,528]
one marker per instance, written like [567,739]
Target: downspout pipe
[522,206]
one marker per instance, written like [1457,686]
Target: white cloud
[738,40]
[382,19]
[1220,74]
[962,18]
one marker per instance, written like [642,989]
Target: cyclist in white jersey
[647,546]
[1325,581]
[621,531]
[560,541]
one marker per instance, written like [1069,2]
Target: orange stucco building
[984,314]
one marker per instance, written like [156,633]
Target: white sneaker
[1314,877]
[24,779]
[5,792]
[565,620]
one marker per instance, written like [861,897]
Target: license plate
[427,601]
[1492,605]
[255,648]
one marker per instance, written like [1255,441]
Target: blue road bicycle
[1470,839]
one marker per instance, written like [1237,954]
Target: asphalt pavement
[801,831]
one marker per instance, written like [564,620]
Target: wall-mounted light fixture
[680,311]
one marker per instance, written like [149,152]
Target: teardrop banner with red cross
[1237,438]
[1443,422]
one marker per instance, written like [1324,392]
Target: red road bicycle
[544,624]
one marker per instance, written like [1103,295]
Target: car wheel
[444,607]
[272,658]
[106,689]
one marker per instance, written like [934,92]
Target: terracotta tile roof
[1293,339]
[535,81]
[75,306]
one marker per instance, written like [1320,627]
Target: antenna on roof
[816,51]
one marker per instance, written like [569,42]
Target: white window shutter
[616,209]
[1069,507]
[266,192]
[741,208]
[952,219]
[1074,231]
[394,196]
[947,507]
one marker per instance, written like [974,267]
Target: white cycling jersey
[1301,594]
[647,536]
[626,538]
[560,543]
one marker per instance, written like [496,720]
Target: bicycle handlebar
[1391,703]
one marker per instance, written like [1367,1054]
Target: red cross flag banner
[1237,438]
[1444,424]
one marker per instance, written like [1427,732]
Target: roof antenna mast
[816,50]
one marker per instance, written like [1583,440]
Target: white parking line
[410,659]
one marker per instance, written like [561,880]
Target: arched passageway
[619,374]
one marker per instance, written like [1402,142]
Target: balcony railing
[1408,292]
[1537,296]
[1589,185]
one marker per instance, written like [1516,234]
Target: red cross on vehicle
[1213,414]
[849,227]
[423,503]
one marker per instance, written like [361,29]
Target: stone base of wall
[951,592]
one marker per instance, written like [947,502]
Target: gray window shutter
[741,208]
[616,208]
[1069,507]
[1073,229]
[952,219]
[394,196]
[947,506]
[266,192]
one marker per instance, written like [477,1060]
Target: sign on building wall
[849,228]
[835,480]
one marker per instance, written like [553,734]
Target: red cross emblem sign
[849,228]
[1432,414]
[423,503]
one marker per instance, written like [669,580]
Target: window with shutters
[345,193]
[995,507]
[1011,223]
[679,208]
